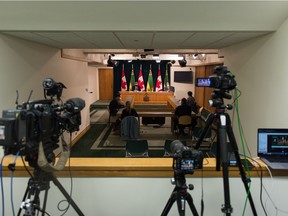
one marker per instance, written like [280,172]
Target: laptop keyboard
[278,160]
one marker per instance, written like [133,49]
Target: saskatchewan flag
[132,80]
[166,79]
[150,84]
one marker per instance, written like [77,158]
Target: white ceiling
[126,24]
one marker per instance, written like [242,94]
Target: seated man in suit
[115,105]
[181,110]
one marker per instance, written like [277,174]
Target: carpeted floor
[102,141]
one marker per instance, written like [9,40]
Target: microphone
[74,105]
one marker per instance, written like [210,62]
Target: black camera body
[223,80]
[185,160]
[33,128]
[22,129]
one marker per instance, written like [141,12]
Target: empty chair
[184,121]
[129,127]
[137,148]
[167,149]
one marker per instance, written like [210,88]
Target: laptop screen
[272,141]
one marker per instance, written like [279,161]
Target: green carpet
[82,148]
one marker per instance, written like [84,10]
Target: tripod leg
[66,195]
[170,202]
[244,178]
[181,203]
[45,201]
[205,130]
[191,204]
[24,198]
[227,209]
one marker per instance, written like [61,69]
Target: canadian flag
[159,82]
[141,81]
[123,81]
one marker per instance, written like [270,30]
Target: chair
[184,121]
[167,149]
[137,148]
[129,127]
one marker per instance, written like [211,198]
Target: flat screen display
[183,76]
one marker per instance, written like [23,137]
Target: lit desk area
[146,101]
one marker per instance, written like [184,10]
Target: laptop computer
[272,147]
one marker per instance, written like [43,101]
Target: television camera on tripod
[32,130]
[223,81]
[185,161]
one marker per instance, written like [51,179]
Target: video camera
[223,80]
[185,160]
[40,121]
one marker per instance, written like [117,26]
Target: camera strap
[46,166]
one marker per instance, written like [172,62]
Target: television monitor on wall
[183,76]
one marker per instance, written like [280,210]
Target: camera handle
[180,195]
[224,127]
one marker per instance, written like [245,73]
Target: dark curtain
[145,71]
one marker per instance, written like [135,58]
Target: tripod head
[217,99]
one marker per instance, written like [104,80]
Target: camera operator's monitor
[187,164]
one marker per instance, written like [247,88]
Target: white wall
[148,196]
[24,65]
[260,67]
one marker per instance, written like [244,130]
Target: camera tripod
[224,126]
[38,182]
[180,195]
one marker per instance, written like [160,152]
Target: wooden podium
[145,101]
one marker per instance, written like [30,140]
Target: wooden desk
[139,96]
[151,114]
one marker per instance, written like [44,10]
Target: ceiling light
[170,63]
[155,56]
[183,62]
[158,61]
[110,62]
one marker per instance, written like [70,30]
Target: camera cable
[202,193]
[2,188]
[64,210]
[12,168]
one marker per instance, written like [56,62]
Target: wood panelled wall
[203,94]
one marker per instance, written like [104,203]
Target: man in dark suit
[115,105]
[181,110]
